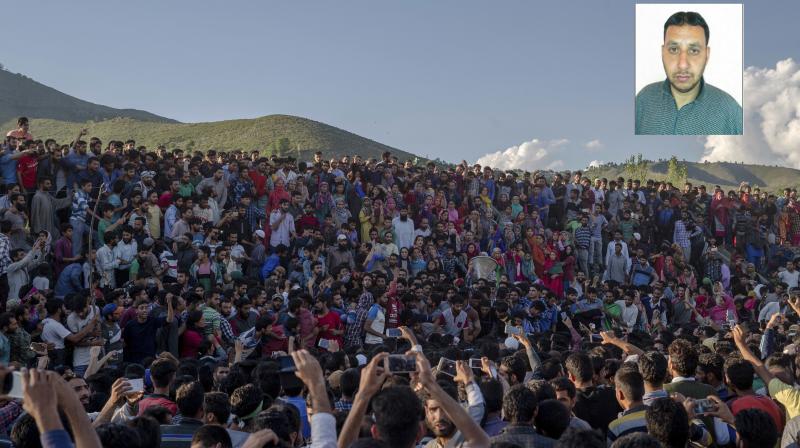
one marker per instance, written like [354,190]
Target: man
[567,394]
[684,103]
[216,411]
[519,409]
[790,276]
[162,374]
[454,319]
[107,261]
[739,377]
[341,255]
[189,399]
[81,316]
[216,183]
[53,332]
[44,207]
[583,241]
[329,322]
[70,281]
[682,366]
[403,229]
[595,404]
[80,210]
[125,251]
[375,323]
[109,329]
[282,224]
[629,387]
[8,326]
[653,367]
[140,334]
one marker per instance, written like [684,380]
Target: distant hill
[725,174]
[22,96]
[303,135]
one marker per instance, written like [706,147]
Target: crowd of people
[229,299]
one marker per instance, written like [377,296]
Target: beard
[404,218]
[443,428]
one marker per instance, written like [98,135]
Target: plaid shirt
[681,235]
[5,253]
[8,415]
[254,215]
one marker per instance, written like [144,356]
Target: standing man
[282,224]
[43,209]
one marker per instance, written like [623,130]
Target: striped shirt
[80,203]
[630,421]
[713,112]
[583,237]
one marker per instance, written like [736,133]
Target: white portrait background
[724,68]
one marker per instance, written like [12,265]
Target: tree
[636,167]
[281,147]
[676,172]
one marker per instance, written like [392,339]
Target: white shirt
[629,313]
[54,333]
[80,355]
[790,278]
[281,235]
[126,251]
[403,231]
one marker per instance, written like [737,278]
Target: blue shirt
[713,112]
[300,404]
[8,167]
[69,281]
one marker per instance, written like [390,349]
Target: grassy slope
[248,134]
[727,175]
[22,96]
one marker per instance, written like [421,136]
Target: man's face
[563,396]
[142,311]
[225,308]
[81,389]
[437,420]
[684,54]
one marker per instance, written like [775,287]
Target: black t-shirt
[140,338]
[598,406]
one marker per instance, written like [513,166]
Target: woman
[192,336]
[204,271]
[417,263]
[553,278]
[323,201]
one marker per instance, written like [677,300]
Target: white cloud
[596,163]
[771,119]
[529,156]
[594,144]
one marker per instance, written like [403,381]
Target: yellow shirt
[786,395]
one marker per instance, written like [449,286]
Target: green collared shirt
[713,112]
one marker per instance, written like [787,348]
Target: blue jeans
[79,229]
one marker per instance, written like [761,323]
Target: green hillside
[725,174]
[259,133]
[22,96]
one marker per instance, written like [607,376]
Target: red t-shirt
[279,344]
[333,322]
[393,310]
[26,167]
[190,343]
[157,400]
[764,403]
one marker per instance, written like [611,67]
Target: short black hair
[687,18]
[189,398]
[683,357]
[148,428]
[397,411]
[211,435]
[636,440]
[348,382]
[711,363]
[552,419]
[668,422]
[581,438]
[216,404]
[756,428]
[653,367]
[580,366]
[162,372]
[25,433]
[739,373]
[630,383]
[519,405]
[118,435]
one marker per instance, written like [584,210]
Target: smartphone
[563,316]
[595,338]
[393,332]
[475,363]
[286,364]
[12,386]
[401,364]
[137,385]
[447,366]
[704,405]
[511,330]
[324,343]
[39,348]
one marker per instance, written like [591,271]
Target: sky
[528,83]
